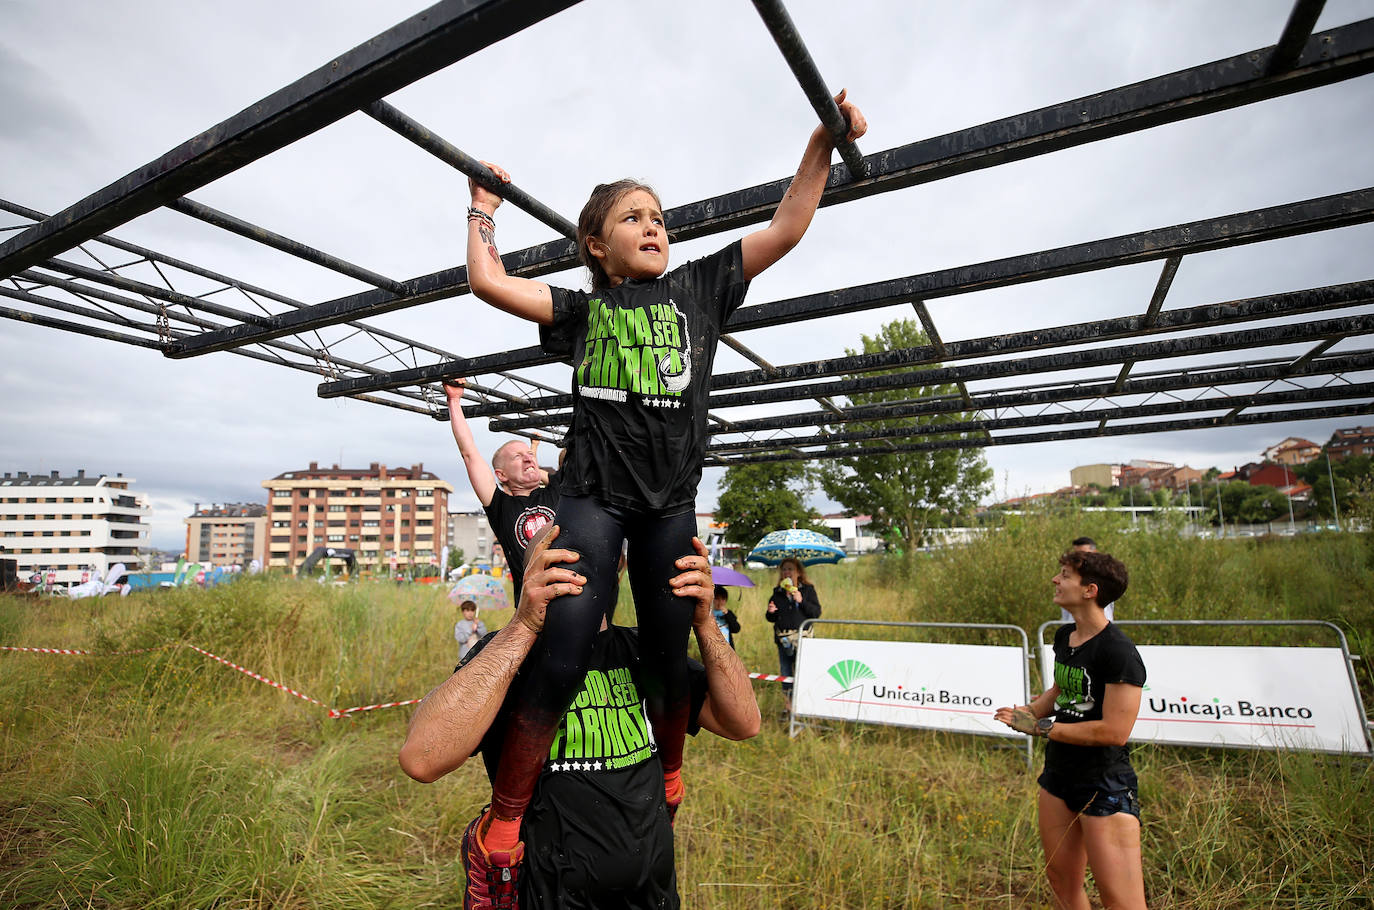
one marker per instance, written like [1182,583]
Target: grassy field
[165,779]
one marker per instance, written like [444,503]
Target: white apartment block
[471,532]
[64,526]
[387,516]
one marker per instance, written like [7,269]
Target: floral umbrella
[485,591]
[807,546]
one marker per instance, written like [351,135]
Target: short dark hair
[467,603]
[1084,542]
[722,593]
[1101,569]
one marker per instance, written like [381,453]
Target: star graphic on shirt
[596,766]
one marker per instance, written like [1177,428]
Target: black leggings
[563,652]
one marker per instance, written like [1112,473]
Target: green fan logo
[849,673]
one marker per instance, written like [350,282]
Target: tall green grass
[167,780]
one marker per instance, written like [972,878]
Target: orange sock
[673,788]
[502,835]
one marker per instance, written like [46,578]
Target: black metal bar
[98,314]
[1033,396]
[1325,213]
[417,133]
[1162,426]
[785,35]
[1296,32]
[1120,412]
[1317,351]
[532,262]
[1208,315]
[472,366]
[1081,359]
[421,45]
[225,221]
[78,328]
[148,290]
[1246,227]
[928,325]
[1166,280]
[1001,369]
[72,287]
[230,283]
[741,349]
[1331,56]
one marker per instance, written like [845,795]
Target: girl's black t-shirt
[642,354]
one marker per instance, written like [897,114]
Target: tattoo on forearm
[488,235]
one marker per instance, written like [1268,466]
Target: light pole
[1188,500]
[1221,515]
[1288,491]
[1335,509]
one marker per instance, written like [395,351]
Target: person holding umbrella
[793,602]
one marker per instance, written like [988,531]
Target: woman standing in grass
[793,602]
[1089,814]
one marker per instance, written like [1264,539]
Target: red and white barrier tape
[264,679]
[390,704]
[333,712]
[81,653]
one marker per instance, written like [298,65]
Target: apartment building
[1292,451]
[387,516]
[471,533]
[232,534]
[1351,441]
[1151,475]
[66,526]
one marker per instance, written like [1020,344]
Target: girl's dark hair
[801,570]
[589,223]
[722,593]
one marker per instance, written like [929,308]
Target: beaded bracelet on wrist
[480,216]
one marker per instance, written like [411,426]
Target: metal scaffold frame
[68,263]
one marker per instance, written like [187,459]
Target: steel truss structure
[67,263]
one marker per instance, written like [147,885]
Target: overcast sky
[693,98]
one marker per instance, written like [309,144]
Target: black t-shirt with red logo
[515,520]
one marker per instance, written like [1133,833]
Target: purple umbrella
[720,575]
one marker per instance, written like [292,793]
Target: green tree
[763,497]
[1263,504]
[1350,474]
[905,492]
[455,557]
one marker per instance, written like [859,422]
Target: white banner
[1265,698]
[910,684]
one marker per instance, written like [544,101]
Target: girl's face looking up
[632,242]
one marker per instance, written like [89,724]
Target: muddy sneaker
[492,877]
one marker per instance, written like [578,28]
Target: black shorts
[1096,798]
